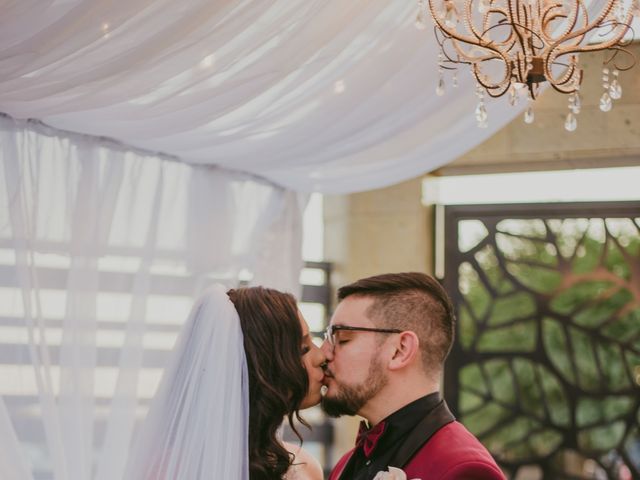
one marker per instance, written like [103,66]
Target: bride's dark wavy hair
[278,380]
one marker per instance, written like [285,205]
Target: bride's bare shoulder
[305,466]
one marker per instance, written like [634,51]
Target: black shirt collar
[398,426]
[400,422]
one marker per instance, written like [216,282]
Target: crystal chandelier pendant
[571,123]
[451,14]
[575,103]
[513,95]
[615,90]
[605,102]
[529,116]
[440,87]
[605,78]
[481,112]
[450,19]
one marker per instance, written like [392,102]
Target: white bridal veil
[197,425]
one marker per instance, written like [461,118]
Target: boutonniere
[392,474]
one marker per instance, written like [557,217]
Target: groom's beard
[351,398]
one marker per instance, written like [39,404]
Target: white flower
[392,474]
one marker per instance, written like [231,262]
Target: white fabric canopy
[314,95]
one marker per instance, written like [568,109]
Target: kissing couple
[245,361]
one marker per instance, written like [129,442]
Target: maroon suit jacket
[453,453]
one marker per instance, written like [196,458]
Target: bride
[243,362]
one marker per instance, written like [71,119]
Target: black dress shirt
[398,425]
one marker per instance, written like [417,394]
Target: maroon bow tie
[368,437]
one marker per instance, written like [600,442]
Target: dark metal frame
[490,215]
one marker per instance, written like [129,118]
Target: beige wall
[376,232]
[388,230]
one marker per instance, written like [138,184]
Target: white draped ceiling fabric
[151,147]
[315,95]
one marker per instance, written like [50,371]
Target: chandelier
[513,46]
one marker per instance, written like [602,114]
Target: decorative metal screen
[545,369]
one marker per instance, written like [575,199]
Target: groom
[386,346]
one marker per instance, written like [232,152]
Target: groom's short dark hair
[410,301]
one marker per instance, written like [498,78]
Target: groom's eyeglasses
[330,332]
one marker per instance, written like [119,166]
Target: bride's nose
[320,358]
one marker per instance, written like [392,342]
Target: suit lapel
[336,474]
[421,433]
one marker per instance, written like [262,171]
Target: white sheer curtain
[102,251]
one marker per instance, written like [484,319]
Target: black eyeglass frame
[329,331]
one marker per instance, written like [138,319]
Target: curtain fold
[13,463]
[102,251]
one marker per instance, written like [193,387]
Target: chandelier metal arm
[443,50]
[534,35]
[581,32]
[462,56]
[486,24]
[511,40]
[457,38]
[620,49]
[570,79]
[567,82]
[557,49]
[450,31]
[514,21]
[580,11]
[547,17]
[468,16]
[493,89]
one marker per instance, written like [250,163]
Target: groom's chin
[335,407]
[329,407]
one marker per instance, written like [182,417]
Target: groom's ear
[407,347]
